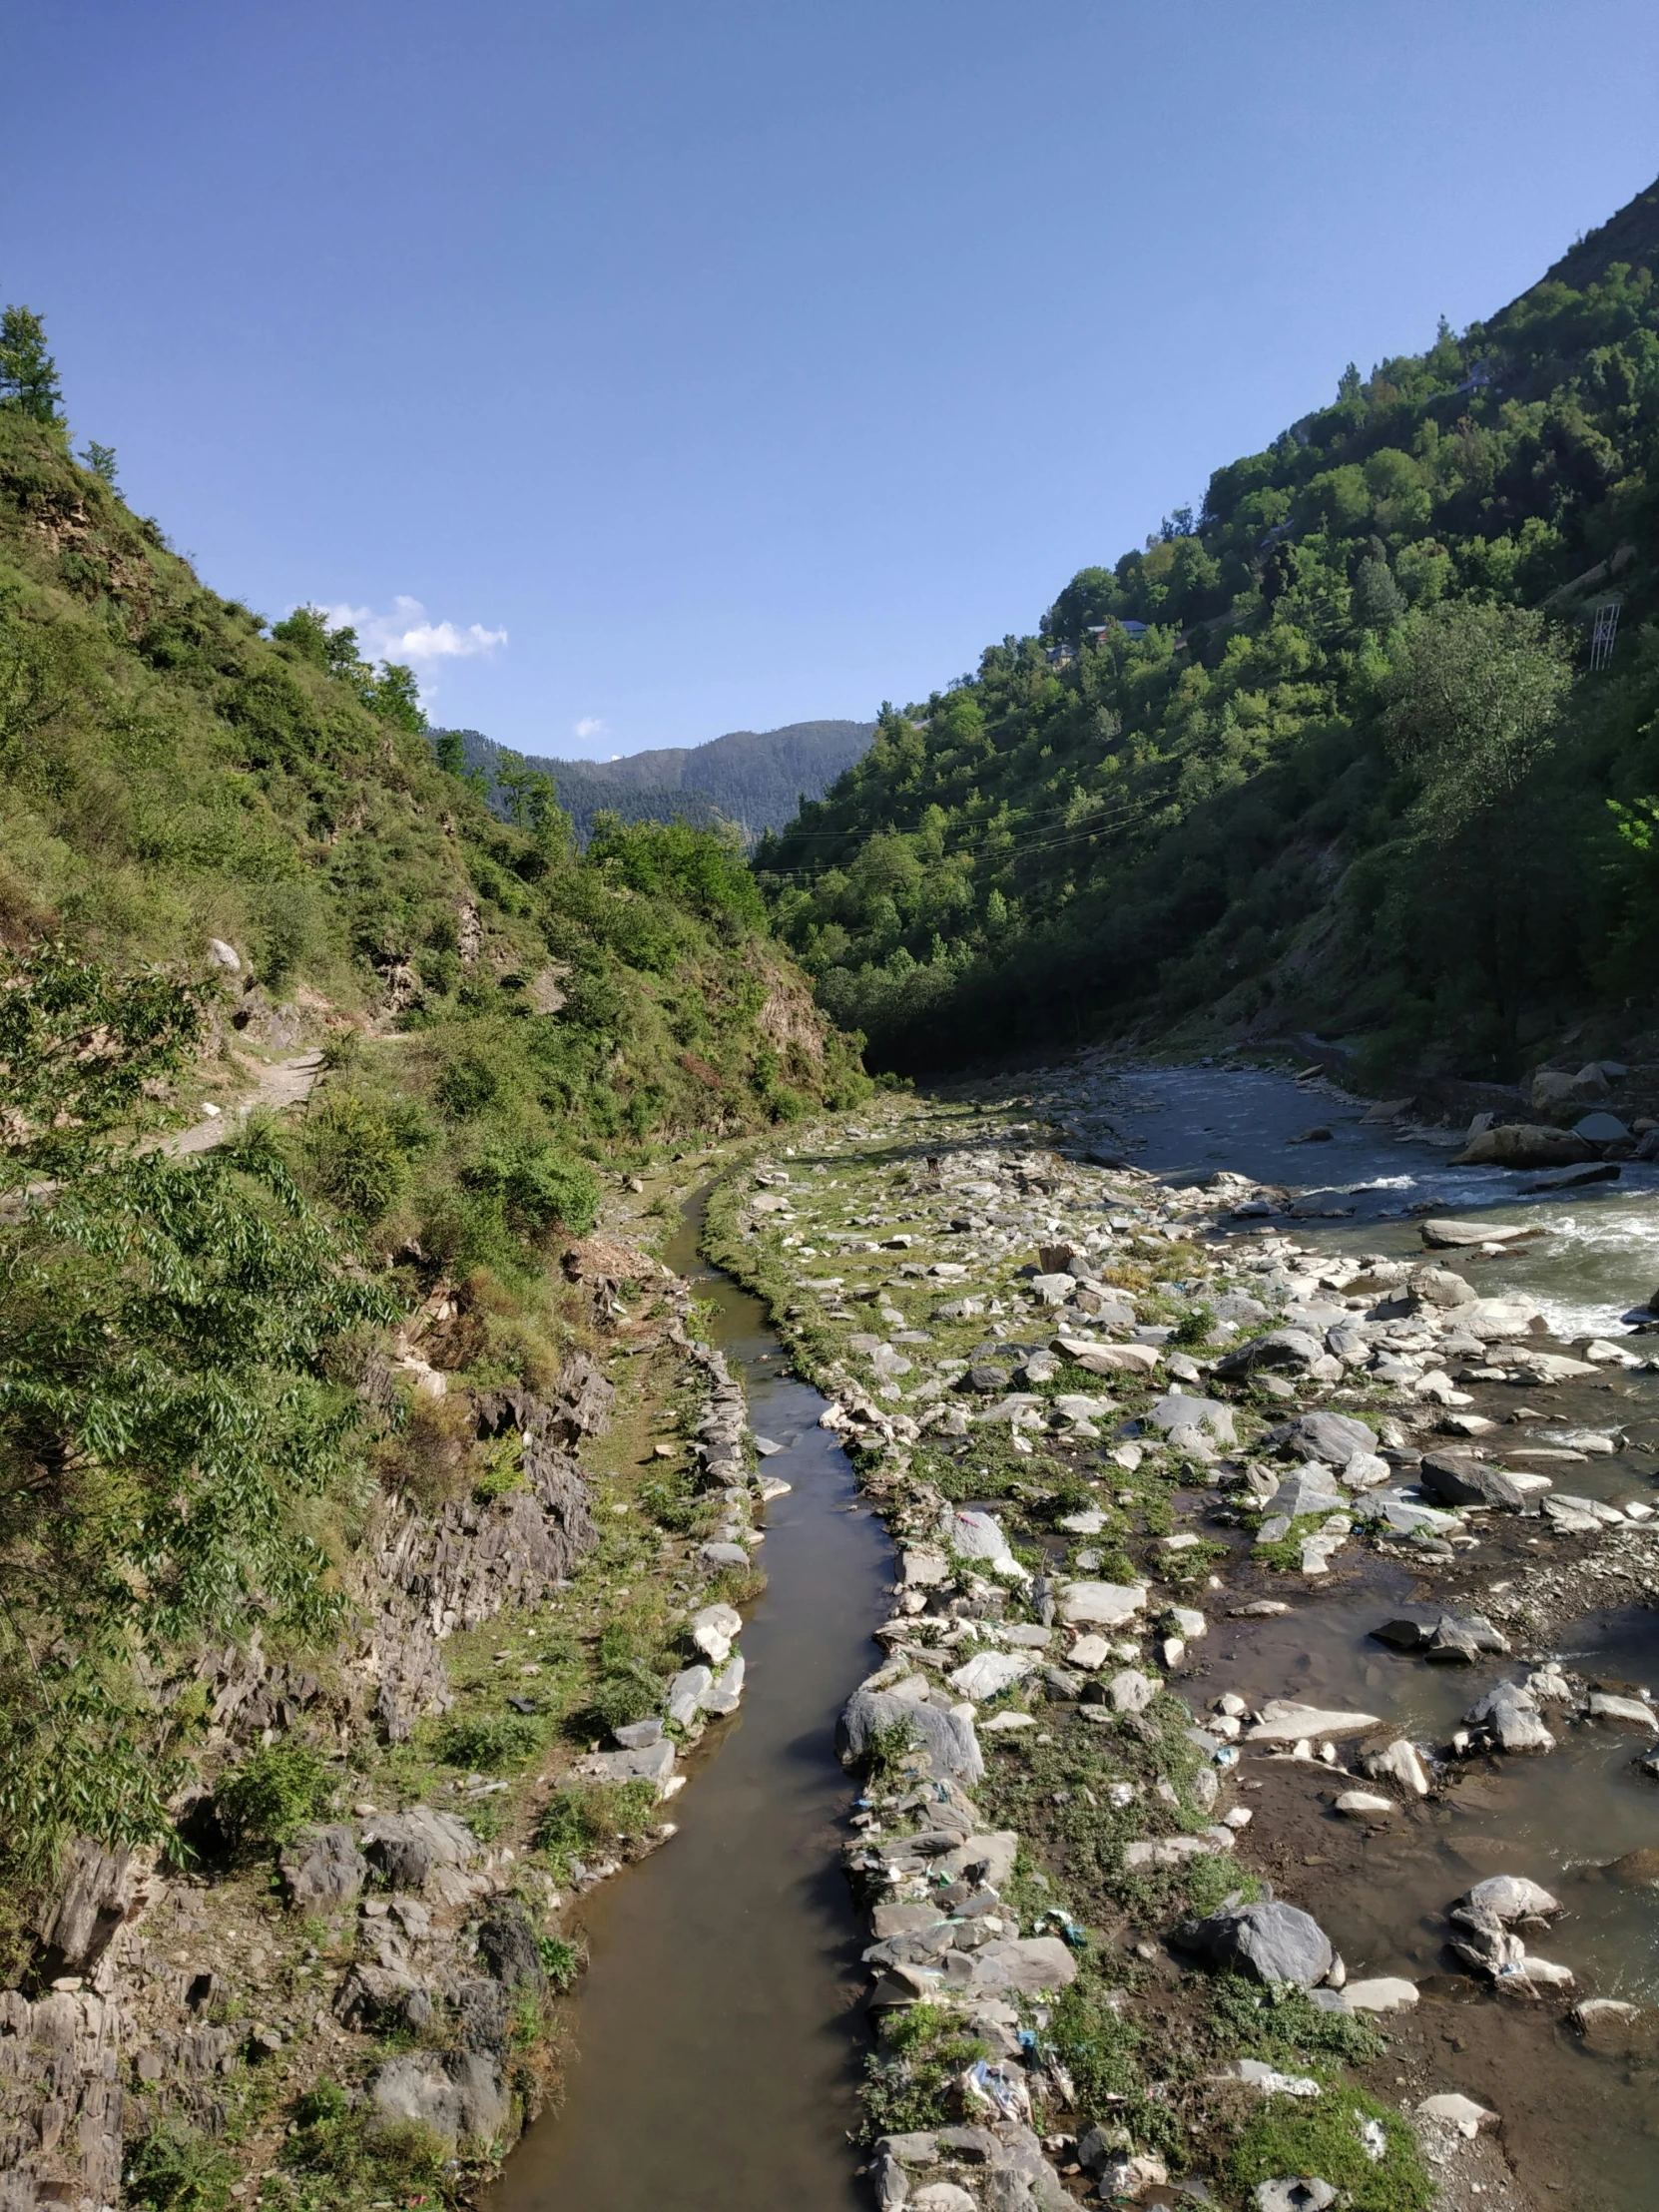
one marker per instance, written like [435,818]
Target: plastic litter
[1004,2092]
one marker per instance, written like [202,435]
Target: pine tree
[28,373]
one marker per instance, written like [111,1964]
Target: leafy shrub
[359,1154]
[908,2081]
[273,1794]
[490,1742]
[561,1961]
[176,2169]
[537,1186]
[343,2154]
[582,1818]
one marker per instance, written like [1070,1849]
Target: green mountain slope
[218,846]
[755,779]
[1331,752]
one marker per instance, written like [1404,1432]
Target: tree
[1377,600]
[28,373]
[100,461]
[1471,700]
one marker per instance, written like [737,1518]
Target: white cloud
[407,635]
[590,726]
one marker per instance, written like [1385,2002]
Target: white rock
[1283,1722]
[1089,1654]
[1102,1604]
[1362,1804]
[1131,1691]
[988,1673]
[1387,1993]
[1455,2111]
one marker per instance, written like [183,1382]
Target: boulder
[1131,1691]
[407,1847]
[1308,2194]
[1207,1415]
[1101,1604]
[651,1763]
[988,1673]
[459,2095]
[974,1535]
[1270,1943]
[1622,1712]
[1280,1348]
[1332,1439]
[1454,1477]
[948,1740]
[1283,1722]
[1109,1359]
[322,1870]
[727,1691]
[1383,1993]
[1438,1285]
[1523,1144]
[1510,1716]
[1399,1762]
[1026,1967]
[1453,1234]
[380,1997]
[687,1692]
[1448,2109]
[1363,1804]
[1511,1898]
[1309,1490]
[942,2196]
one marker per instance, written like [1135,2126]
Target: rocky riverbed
[1138,1444]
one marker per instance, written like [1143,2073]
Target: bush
[341,2154]
[271,1795]
[174,2169]
[537,1186]
[359,1154]
[581,1818]
[490,1742]
[561,1961]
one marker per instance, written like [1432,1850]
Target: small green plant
[562,1961]
[490,1742]
[908,2081]
[582,1818]
[342,2155]
[1194,1326]
[177,2169]
[273,1794]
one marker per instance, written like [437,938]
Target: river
[718,2029]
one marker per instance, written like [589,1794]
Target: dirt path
[277,1086]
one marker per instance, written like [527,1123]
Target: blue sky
[651,370]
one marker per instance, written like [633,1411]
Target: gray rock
[687,1692]
[459,2095]
[950,1745]
[1463,1478]
[1270,1943]
[1334,1438]
[1309,1490]
[1310,2194]
[920,2148]
[1176,1411]
[1280,1348]
[507,1944]
[651,1763]
[1512,1897]
[890,2181]
[1509,1715]
[407,1847]
[727,1691]
[639,1735]
[322,1870]
[722,1555]
[381,1997]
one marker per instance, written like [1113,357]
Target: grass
[1321,2135]
[910,2079]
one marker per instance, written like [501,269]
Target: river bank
[964,1194]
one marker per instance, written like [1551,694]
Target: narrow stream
[716,2045]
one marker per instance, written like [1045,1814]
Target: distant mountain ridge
[754,778]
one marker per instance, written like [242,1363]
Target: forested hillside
[221,843]
[753,779]
[1329,752]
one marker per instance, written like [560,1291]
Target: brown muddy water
[718,2036]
